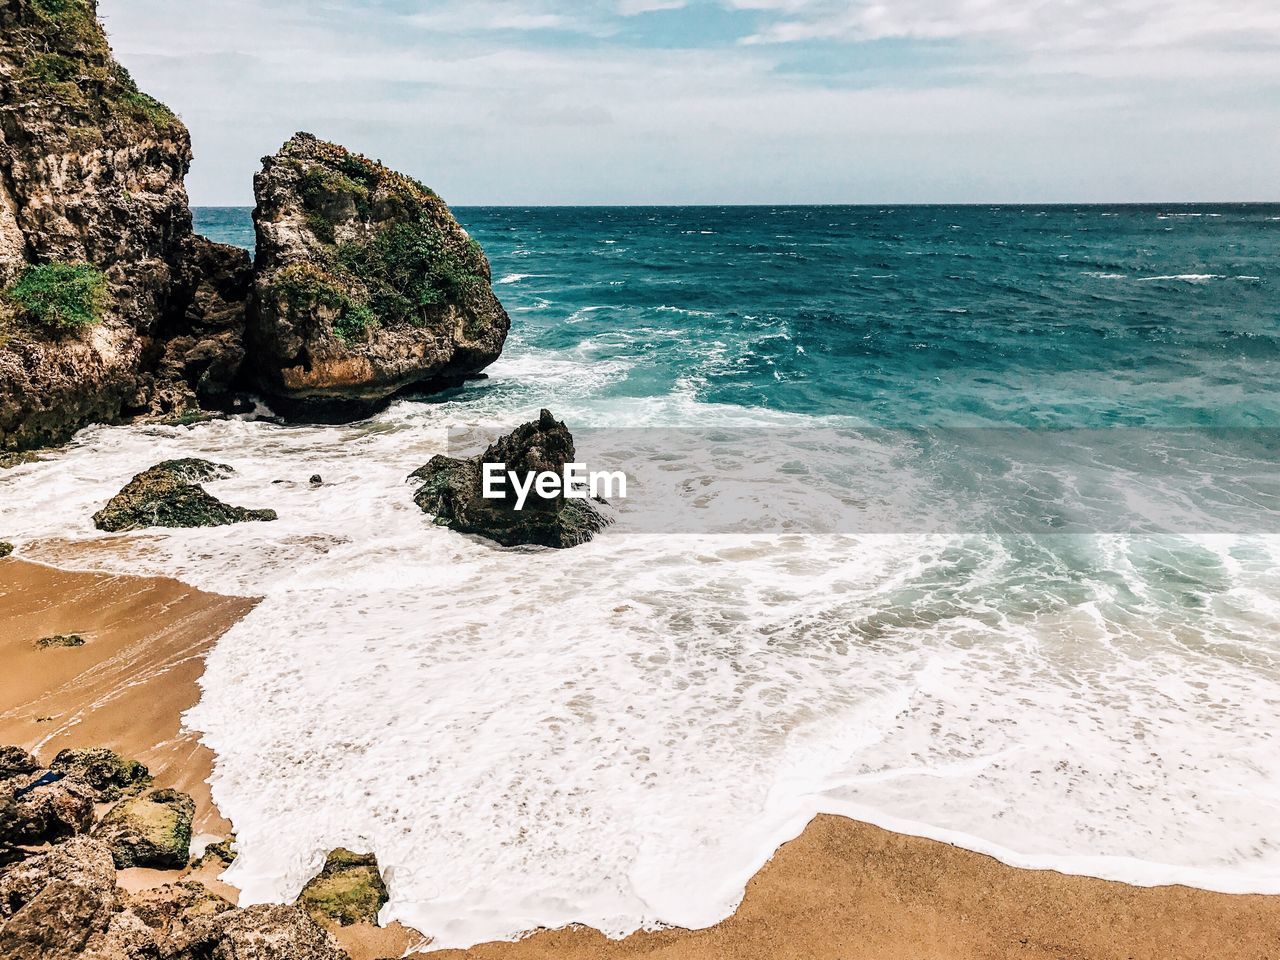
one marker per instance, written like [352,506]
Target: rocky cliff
[365,285]
[110,305]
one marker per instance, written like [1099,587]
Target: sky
[731,101]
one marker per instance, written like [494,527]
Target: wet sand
[126,688]
[843,890]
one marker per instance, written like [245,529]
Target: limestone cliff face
[365,285]
[97,257]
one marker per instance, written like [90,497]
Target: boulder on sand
[169,495]
[152,830]
[452,491]
[16,762]
[348,890]
[43,807]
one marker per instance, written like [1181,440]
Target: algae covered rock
[53,904]
[151,830]
[6,548]
[366,286]
[452,491]
[169,495]
[103,771]
[348,890]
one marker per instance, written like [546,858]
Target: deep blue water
[942,316]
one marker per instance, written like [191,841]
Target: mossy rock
[16,458]
[6,548]
[169,495]
[104,771]
[348,890]
[61,640]
[365,285]
[151,830]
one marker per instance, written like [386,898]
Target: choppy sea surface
[1072,662]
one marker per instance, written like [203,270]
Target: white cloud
[1035,23]
[631,8]
[519,115]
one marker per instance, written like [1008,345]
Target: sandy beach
[841,891]
[127,686]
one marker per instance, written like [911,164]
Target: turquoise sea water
[917,316]
[969,527]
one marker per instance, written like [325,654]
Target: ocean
[958,520]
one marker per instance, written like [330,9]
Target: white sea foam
[620,735]
[1186,277]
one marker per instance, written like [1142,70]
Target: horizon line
[810,205]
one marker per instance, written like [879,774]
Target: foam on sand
[622,735]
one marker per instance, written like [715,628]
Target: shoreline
[843,888]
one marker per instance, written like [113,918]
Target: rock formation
[110,307]
[63,902]
[6,548]
[452,491]
[14,762]
[105,772]
[53,904]
[366,285]
[43,808]
[151,830]
[202,351]
[348,890]
[169,495]
[96,248]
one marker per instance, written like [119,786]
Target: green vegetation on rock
[60,297]
[407,267]
[74,70]
[386,260]
[348,890]
[6,548]
[169,495]
[61,640]
[152,830]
